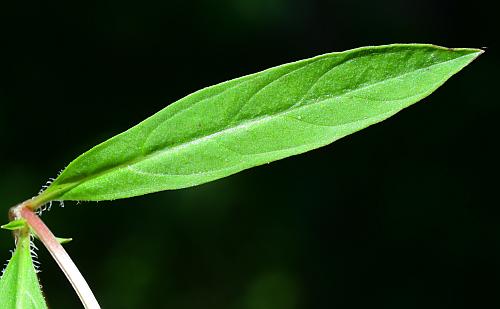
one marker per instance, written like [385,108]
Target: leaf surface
[259,118]
[19,287]
[14,225]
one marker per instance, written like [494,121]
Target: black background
[401,215]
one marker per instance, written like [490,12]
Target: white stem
[62,258]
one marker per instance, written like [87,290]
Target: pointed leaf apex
[63,241]
[14,225]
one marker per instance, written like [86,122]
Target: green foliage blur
[401,215]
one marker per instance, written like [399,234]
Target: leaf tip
[478,51]
[14,225]
[63,241]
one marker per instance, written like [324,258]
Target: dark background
[401,215]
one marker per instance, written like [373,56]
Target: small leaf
[63,241]
[14,225]
[19,287]
[259,118]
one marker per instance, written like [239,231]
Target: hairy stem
[59,254]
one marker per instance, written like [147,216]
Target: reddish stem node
[59,254]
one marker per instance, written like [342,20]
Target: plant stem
[61,257]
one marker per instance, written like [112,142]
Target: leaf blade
[14,225]
[259,118]
[19,286]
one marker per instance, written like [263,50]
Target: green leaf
[259,118]
[19,287]
[14,225]
[63,241]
